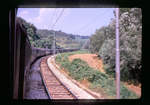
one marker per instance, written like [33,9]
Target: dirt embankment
[94,62]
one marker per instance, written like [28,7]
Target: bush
[80,70]
[130,21]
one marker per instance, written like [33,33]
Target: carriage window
[74,52]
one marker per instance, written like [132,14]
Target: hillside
[63,39]
[88,69]
[43,38]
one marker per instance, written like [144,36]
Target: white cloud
[43,18]
[45,13]
[46,17]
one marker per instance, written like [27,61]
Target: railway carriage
[20,51]
[22,55]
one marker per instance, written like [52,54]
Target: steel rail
[49,94]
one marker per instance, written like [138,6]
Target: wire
[87,25]
[89,22]
[58,18]
[54,14]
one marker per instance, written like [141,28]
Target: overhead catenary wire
[94,20]
[89,22]
[54,42]
[87,28]
[58,18]
[54,14]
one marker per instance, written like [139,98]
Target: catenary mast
[117,56]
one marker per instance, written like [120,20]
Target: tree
[98,39]
[130,44]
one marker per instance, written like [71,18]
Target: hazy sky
[82,21]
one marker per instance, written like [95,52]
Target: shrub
[130,22]
[80,70]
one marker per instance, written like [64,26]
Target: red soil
[94,62]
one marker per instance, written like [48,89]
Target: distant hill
[43,38]
[63,39]
[44,33]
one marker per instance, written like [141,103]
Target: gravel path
[35,87]
[77,91]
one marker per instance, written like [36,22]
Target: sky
[79,21]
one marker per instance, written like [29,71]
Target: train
[22,55]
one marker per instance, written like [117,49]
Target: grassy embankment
[100,82]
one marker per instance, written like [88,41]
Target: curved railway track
[56,89]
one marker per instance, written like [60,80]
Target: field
[99,81]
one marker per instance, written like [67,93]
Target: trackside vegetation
[79,70]
[102,42]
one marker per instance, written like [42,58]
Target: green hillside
[64,40]
[43,38]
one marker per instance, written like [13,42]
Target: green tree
[130,29]
[98,39]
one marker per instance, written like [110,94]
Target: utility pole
[117,56]
[54,51]
[46,50]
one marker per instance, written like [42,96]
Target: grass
[80,70]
